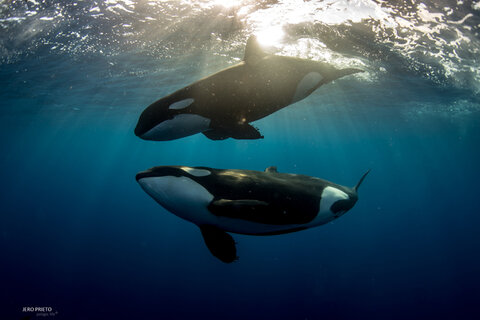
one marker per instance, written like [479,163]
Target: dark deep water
[79,235]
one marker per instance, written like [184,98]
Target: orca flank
[245,201]
[224,104]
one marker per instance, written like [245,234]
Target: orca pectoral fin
[242,208]
[216,134]
[220,243]
[243,131]
[271,169]
[238,203]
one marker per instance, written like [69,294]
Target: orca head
[168,120]
[178,191]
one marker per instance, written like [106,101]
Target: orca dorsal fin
[360,181]
[271,169]
[253,52]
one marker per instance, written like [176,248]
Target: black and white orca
[245,201]
[222,105]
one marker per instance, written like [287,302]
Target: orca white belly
[182,125]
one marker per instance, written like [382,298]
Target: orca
[245,201]
[224,104]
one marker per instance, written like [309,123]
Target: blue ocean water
[78,234]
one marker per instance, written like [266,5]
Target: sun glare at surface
[270,36]
[228,3]
[438,39]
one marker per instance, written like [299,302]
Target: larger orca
[222,105]
[245,201]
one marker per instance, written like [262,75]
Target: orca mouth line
[146,174]
[140,175]
[142,128]
[160,171]
[138,132]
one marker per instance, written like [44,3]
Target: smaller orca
[245,201]
[222,105]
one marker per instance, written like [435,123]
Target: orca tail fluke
[347,71]
[360,181]
[334,74]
